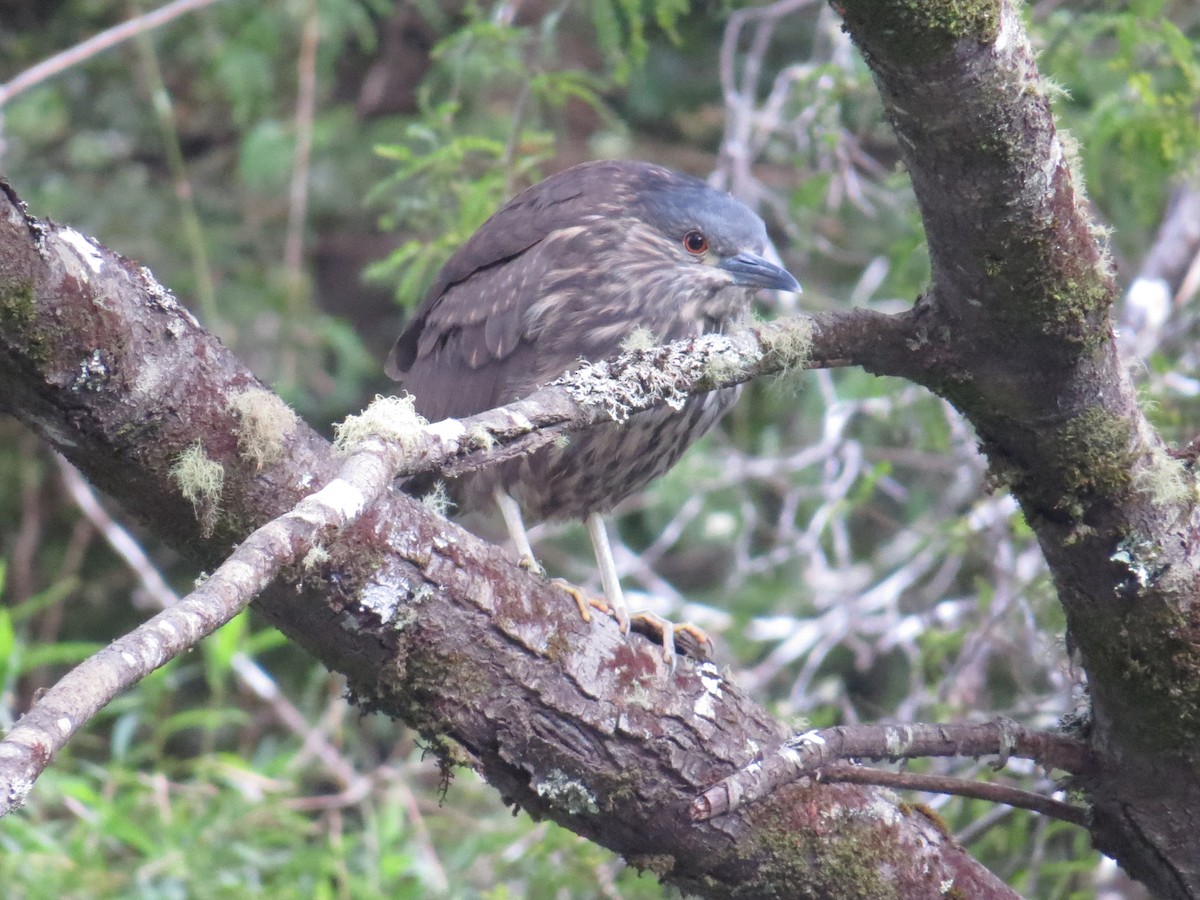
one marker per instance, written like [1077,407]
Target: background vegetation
[297,172]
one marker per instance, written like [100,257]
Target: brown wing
[469,353]
[467,348]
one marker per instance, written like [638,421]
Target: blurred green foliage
[1131,76]
[842,522]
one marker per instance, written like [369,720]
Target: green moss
[1088,460]
[1055,279]
[1149,662]
[479,438]
[660,865]
[720,369]
[915,31]
[18,316]
[1166,481]
[787,343]
[1071,312]
[842,859]
[1095,455]
[437,500]
[619,791]
[387,418]
[639,339]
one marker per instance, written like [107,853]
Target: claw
[532,565]
[694,641]
[585,602]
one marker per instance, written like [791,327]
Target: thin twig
[105,40]
[813,750]
[942,784]
[306,93]
[297,294]
[164,116]
[248,673]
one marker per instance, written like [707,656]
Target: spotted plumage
[565,271]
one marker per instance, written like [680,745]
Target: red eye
[695,243]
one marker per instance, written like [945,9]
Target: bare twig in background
[739,149]
[197,240]
[1168,281]
[297,290]
[105,40]
[306,94]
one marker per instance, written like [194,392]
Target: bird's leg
[511,511]
[698,644]
[608,571]
[515,523]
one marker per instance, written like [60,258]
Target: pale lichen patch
[201,481]
[264,422]
[387,418]
[566,793]
[87,250]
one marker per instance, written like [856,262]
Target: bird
[567,272]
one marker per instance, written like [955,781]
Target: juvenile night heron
[564,272]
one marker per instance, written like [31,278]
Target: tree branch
[429,624]
[1018,326]
[105,40]
[941,784]
[806,753]
[388,440]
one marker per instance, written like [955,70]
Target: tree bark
[429,624]
[1016,333]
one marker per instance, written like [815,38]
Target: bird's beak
[751,270]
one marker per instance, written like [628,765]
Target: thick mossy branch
[1015,331]
[908,32]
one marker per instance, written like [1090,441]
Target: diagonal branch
[105,40]
[389,441]
[568,720]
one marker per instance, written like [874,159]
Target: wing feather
[470,344]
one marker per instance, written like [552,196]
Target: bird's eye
[695,243]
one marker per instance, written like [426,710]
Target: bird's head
[698,225]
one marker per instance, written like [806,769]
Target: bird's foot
[585,602]
[529,564]
[691,640]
